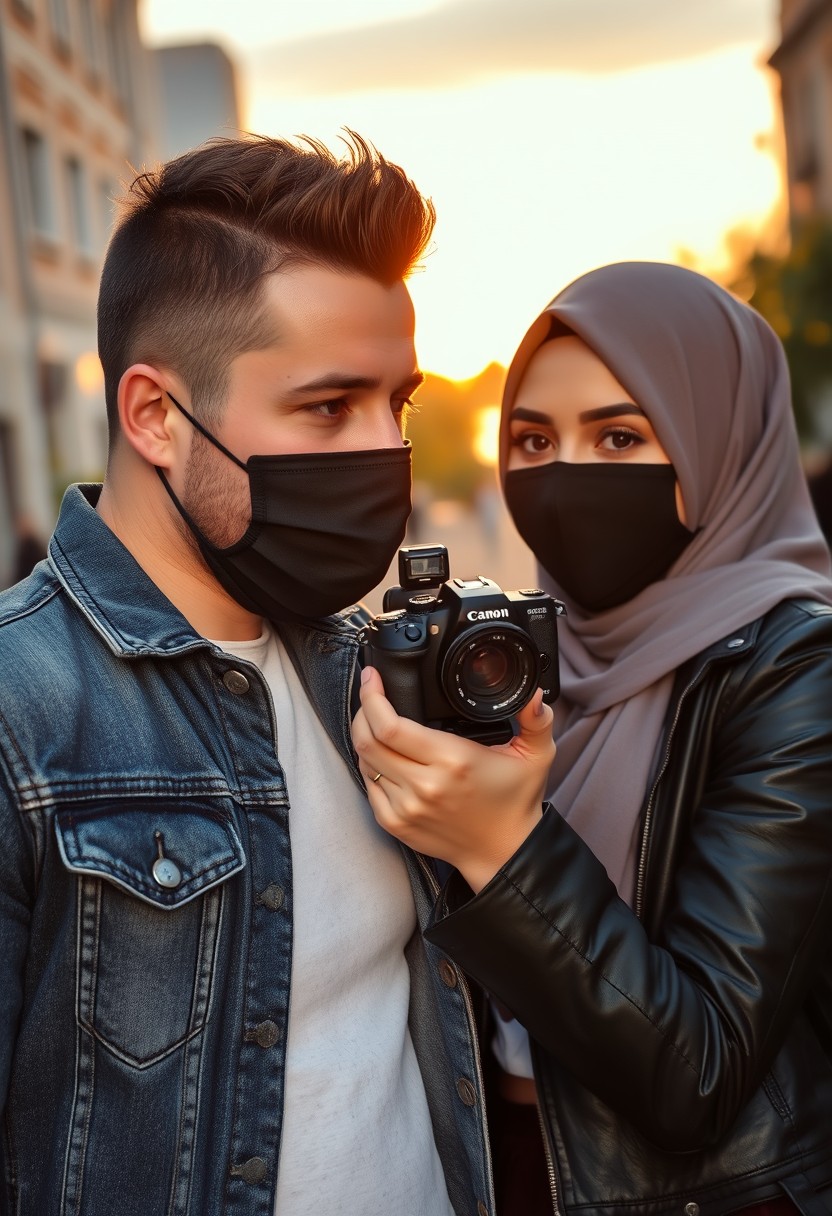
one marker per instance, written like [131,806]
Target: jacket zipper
[638,903]
[550,1165]
[469,1013]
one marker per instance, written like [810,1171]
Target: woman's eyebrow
[523,415]
[610,411]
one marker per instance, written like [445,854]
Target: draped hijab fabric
[711,376]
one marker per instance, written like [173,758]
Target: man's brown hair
[181,283]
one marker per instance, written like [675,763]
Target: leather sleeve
[676,1034]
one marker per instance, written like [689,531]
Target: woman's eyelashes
[611,441]
[620,439]
[533,443]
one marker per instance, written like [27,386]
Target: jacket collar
[122,603]
[109,586]
[736,643]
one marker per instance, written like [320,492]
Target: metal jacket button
[448,972]
[692,1209]
[167,873]
[466,1091]
[252,1171]
[271,897]
[235,682]
[264,1035]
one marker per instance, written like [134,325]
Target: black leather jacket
[684,1053]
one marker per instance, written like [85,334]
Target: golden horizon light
[537,176]
[486,444]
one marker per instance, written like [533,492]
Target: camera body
[462,655]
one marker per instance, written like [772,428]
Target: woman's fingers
[394,733]
[535,735]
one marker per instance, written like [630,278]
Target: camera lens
[490,672]
[485,669]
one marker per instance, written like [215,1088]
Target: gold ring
[376,778]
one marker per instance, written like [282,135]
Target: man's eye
[403,410]
[330,409]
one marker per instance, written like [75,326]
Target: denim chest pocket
[151,888]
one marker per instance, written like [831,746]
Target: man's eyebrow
[346,382]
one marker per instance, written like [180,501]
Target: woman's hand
[448,797]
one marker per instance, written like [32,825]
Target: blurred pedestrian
[29,548]
[820,489]
[660,930]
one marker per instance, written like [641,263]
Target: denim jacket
[146,905]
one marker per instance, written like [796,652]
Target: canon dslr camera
[461,654]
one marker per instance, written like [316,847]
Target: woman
[663,930]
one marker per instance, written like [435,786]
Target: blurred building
[76,110]
[199,96]
[804,62]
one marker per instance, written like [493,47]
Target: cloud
[464,41]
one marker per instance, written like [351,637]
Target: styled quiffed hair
[182,281]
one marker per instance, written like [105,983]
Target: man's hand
[448,797]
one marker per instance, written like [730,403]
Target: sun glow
[487,437]
[89,375]
[536,177]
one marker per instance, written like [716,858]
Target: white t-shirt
[357,1136]
[511,1046]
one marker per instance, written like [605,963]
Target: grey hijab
[712,378]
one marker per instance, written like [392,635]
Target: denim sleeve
[16,898]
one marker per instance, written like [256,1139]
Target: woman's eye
[620,439]
[533,443]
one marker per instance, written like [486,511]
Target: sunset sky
[552,135]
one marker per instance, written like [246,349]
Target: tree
[794,294]
[444,428]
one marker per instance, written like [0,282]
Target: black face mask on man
[324,528]
[603,532]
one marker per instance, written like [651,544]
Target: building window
[26,8]
[76,190]
[106,210]
[89,36]
[8,501]
[116,65]
[52,380]
[38,182]
[59,18]
[8,466]
[808,128]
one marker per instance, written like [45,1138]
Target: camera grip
[401,683]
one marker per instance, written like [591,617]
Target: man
[214,996]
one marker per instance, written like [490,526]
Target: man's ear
[149,420]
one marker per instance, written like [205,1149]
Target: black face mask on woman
[324,528]
[603,532]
